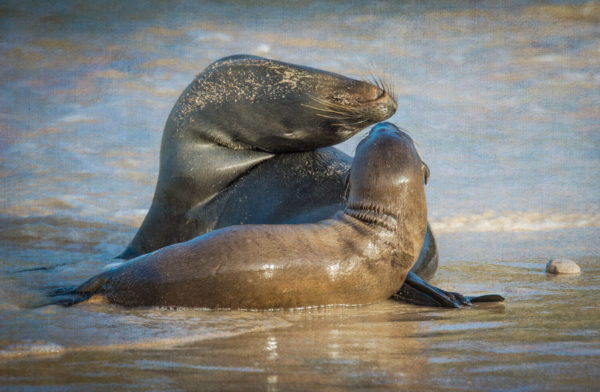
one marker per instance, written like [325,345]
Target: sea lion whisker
[339,114]
[329,104]
[381,81]
[331,110]
[329,117]
[347,123]
[357,123]
[373,79]
[336,114]
[388,85]
[321,109]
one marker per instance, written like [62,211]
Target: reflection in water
[334,347]
[502,100]
[272,383]
[271,348]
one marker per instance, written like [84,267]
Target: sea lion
[362,254]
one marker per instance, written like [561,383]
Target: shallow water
[502,100]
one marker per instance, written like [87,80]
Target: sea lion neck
[373,214]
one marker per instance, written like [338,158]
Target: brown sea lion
[362,254]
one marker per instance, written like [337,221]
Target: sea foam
[491,221]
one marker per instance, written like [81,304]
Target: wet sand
[544,337]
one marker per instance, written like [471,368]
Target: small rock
[562,266]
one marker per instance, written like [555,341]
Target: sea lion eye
[426,172]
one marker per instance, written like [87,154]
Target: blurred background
[502,98]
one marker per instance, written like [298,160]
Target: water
[502,100]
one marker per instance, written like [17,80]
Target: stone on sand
[562,266]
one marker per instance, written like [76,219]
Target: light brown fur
[360,255]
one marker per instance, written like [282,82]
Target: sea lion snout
[367,93]
[386,127]
[383,107]
[390,128]
[386,138]
[362,101]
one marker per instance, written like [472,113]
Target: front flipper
[416,291]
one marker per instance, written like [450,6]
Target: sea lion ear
[426,172]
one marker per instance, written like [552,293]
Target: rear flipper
[418,292]
[66,296]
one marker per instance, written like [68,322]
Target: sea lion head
[277,107]
[387,186]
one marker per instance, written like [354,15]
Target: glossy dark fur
[244,121]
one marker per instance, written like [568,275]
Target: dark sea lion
[362,254]
[241,111]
